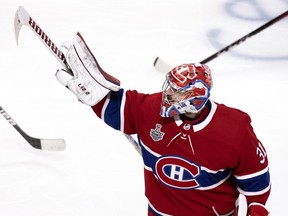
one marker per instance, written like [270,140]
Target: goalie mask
[186,89]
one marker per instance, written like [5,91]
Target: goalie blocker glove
[89,82]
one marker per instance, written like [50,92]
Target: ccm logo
[177,172]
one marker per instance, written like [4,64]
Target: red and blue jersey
[192,167]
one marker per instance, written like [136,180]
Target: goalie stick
[163,67]
[38,143]
[23,18]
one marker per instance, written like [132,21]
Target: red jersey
[192,167]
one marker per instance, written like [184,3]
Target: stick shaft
[23,18]
[242,39]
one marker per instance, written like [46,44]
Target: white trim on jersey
[123,101]
[252,175]
[214,185]
[245,193]
[203,124]
[207,120]
[105,106]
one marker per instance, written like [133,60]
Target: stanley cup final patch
[156,134]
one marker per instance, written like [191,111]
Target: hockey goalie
[198,154]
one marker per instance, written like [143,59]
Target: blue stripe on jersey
[254,184]
[178,172]
[112,111]
[154,212]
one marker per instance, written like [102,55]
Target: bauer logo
[177,172]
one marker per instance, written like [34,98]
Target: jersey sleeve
[121,110]
[252,173]
[109,109]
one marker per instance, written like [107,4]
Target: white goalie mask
[186,89]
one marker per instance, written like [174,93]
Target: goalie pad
[90,83]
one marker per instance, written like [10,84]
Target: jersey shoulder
[233,115]
[230,123]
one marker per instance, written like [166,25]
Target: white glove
[89,82]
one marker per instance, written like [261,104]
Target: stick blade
[21,18]
[18,23]
[53,144]
[162,66]
[42,143]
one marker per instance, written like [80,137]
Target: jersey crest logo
[156,134]
[177,172]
